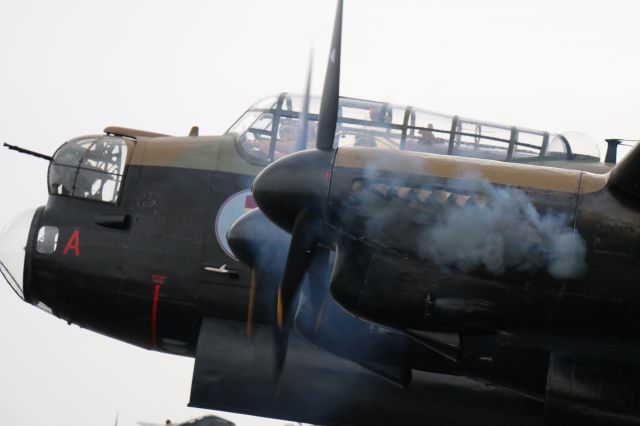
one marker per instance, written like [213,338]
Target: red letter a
[73,244]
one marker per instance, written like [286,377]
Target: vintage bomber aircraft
[132,244]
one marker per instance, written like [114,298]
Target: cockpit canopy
[90,167]
[268,130]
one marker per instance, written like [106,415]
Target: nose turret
[13,250]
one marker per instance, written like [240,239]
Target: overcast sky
[74,67]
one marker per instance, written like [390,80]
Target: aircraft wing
[230,375]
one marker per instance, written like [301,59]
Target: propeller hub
[292,184]
[252,236]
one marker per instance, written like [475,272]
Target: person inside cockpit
[287,138]
[288,134]
[256,144]
[426,136]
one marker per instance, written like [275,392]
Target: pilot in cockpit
[288,134]
[256,144]
[426,136]
[287,137]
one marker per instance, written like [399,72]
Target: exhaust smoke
[506,233]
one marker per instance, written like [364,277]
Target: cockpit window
[245,122]
[268,130]
[91,168]
[256,139]
[288,139]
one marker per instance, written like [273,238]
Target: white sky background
[69,68]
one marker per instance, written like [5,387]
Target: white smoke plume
[507,233]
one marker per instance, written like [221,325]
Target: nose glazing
[13,244]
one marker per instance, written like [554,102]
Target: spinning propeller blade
[301,143]
[331,90]
[307,226]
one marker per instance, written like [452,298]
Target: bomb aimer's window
[47,241]
[92,168]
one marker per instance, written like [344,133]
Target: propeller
[301,142]
[292,192]
[259,244]
[247,237]
[331,90]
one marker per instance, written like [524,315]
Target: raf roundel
[231,210]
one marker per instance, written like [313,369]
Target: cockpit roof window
[91,168]
[382,125]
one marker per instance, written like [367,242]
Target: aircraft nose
[13,244]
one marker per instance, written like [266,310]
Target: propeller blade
[252,302]
[318,284]
[331,91]
[301,143]
[301,249]
[306,228]
[260,244]
[319,276]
